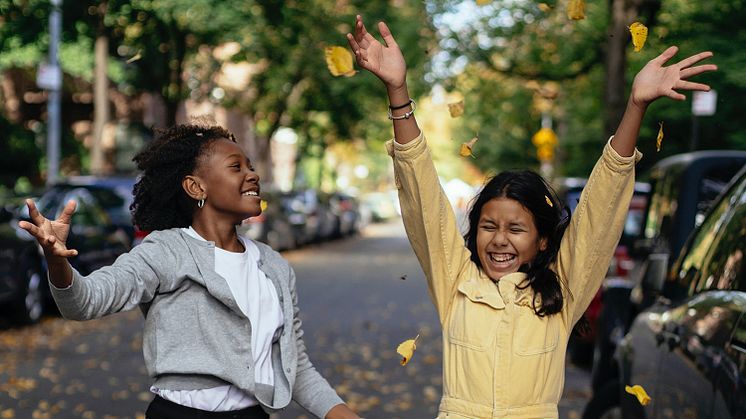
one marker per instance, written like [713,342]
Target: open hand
[385,61]
[655,80]
[51,235]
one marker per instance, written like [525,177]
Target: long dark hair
[160,201]
[550,218]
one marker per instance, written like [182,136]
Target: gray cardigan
[195,334]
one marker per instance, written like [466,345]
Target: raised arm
[652,82]
[387,63]
[52,237]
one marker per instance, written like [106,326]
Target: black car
[688,349]
[683,188]
[24,288]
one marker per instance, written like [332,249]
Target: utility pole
[55,94]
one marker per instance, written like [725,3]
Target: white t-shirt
[257,298]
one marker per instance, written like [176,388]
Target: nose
[252,176]
[499,238]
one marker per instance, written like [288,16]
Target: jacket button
[288,370]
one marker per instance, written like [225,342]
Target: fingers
[353,43]
[666,55]
[386,34]
[688,85]
[31,228]
[676,95]
[693,71]
[686,62]
[67,212]
[34,213]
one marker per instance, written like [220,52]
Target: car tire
[604,404]
[29,306]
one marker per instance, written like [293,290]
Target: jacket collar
[483,290]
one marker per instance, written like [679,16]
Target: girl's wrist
[398,94]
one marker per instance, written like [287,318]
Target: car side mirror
[655,272]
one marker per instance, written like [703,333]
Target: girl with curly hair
[509,294]
[222,334]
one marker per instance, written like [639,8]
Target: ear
[543,244]
[193,187]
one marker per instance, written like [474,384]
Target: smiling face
[230,184]
[506,237]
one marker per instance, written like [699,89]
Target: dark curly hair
[531,191]
[160,201]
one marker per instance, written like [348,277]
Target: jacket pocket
[534,335]
[474,317]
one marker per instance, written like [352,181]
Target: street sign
[49,77]
[704,103]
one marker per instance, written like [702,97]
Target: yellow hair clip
[549,201]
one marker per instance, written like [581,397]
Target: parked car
[273,225]
[683,188]
[581,346]
[346,210]
[688,349]
[115,194]
[24,289]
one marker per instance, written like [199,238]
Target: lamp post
[55,93]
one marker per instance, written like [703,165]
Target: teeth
[502,258]
[250,193]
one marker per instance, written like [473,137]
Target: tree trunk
[100,96]
[621,14]
[100,105]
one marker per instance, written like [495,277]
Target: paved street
[360,297]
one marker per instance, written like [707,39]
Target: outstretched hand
[385,61]
[51,235]
[655,80]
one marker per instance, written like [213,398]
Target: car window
[714,259]
[711,316]
[663,202]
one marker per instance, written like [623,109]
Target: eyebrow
[240,156]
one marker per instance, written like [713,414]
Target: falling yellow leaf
[263,205]
[638,392]
[483,2]
[134,57]
[544,7]
[659,139]
[576,9]
[406,349]
[639,35]
[339,61]
[465,150]
[456,109]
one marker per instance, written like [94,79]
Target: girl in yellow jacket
[509,294]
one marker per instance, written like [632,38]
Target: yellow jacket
[499,358]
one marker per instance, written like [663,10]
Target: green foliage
[507,44]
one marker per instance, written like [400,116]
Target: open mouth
[250,193]
[502,259]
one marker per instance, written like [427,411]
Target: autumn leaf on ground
[545,7]
[406,349]
[576,9]
[456,109]
[134,57]
[339,61]
[639,35]
[659,139]
[638,392]
[465,150]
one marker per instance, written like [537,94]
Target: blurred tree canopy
[173,48]
[511,60]
[514,61]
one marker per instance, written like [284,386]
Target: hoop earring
[201,203]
